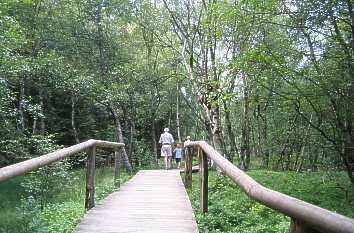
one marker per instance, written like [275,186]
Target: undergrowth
[230,210]
[21,213]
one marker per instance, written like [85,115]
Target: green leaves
[230,210]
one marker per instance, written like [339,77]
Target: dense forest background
[267,81]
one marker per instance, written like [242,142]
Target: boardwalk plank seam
[153,201]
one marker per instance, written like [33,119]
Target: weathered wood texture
[90,177]
[306,214]
[152,201]
[117,160]
[24,167]
[188,168]
[203,181]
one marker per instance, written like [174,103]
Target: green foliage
[230,210]
[63,209]
[143,154]
[59,217]
[45,182]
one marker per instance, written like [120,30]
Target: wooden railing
[24,167]
[305,217]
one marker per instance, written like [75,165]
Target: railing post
[203,180]
[90,176]
[117,159]
[297,226]
[188,168]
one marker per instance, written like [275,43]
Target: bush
[230,210]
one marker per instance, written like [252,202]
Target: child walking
[178,153]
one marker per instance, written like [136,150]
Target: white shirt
[166,138]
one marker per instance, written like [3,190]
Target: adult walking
[166,141]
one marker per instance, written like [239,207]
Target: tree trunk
[21,122]
[253,144]
[348,153]
[216,130]
[265,158]
[259,131]
[132,142]
[245,129]
[100,45]
[177,114]
[35,121]
[303,145]
[34,127]
[73,125]
[41,103]
[233,147]
[154,104]
[120,139]
[314,158]
[154,143]
[169,118]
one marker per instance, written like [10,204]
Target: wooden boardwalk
[152,201]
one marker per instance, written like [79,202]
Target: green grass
[10,194]
[230,210]
[63,211]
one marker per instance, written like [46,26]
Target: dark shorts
[178,160]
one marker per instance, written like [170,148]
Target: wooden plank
[152,201]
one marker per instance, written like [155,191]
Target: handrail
[304,216]
[24,167]
[35,163]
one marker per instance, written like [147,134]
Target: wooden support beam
[188,169]
[297,226]
[117,160]
[90,177]
[203,180]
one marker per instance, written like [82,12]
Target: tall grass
[230,210]
[20,213]
[10,195]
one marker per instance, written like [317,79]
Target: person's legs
[164,154]
[169,156]
[169,162]
[178,162]
[166,162]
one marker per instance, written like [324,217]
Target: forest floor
[230,210]
[62,212]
